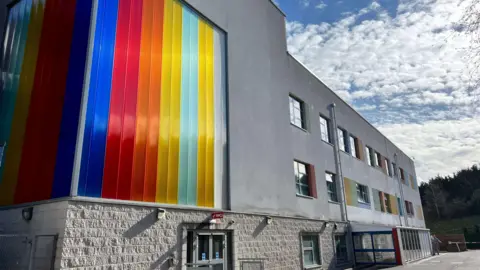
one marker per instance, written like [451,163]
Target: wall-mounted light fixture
[161,213]
[268,220]
[27,213]
[231,222]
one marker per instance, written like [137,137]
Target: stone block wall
[124,236]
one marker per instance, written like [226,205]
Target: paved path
[447,261]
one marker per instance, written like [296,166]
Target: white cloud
[406,73]
[321,5]
[438,147]
[415,56]
[305,3]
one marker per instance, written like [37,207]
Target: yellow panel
[201,169]
[164,127]
[419,212]
[27,75]
[174,136]
[210,126]
[393,204]
[348,188]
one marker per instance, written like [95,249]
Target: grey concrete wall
[108,235]
[48,219]
[262,142]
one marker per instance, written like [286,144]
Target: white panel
[220,120]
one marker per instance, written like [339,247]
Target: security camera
[161,213]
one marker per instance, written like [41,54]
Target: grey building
[233,156]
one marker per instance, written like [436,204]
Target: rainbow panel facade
[155,126]
[42,71]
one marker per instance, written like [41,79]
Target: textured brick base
[107,236]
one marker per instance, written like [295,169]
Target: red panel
[117,101]
[154,103]
[43,123]
[312,182]
[130,109]
[396,244]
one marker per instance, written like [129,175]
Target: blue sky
[403,65]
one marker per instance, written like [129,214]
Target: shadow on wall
[174,251]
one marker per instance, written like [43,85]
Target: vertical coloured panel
[377,201]
[165,112]
[43,65]
[13,150]
[111,185]
[174,114]
[129,114]
[47,98]
[350,192]
[138,172]
[164,127]
[393,204]
[96,121]
[150,185]
[71,106]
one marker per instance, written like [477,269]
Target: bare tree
[469,25]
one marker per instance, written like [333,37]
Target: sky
[403,64]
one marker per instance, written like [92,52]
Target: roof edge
[278,8]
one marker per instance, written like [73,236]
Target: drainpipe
[338,164]
[400,185]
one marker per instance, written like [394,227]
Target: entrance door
[209,250]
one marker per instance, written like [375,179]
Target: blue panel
[93,152]
[73,96]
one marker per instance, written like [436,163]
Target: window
[342,140]
[354,147]
[378,159]
[362,194]
[331,186]
[301,178]
[387,167]
[341,248]
[325,129]
[394,168]
[207,248]
[402,175]
[311,251]
[370,156]
[297,111]
[409,208]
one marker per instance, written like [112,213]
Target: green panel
[376,200]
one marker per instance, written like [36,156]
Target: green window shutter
[400,207]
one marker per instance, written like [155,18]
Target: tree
[434,196]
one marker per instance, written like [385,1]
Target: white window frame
[387,167]
[353,146]
[363,195]
[297,105]
[377,159]
[297,173]
[319,254]
[331,193]
[325,129]
[342,144]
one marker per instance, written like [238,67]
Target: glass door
[209,250]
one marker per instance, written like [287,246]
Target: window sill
[305,196]
[363,203]
[302,129]
[329,143]
[333,202]
[312,267]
